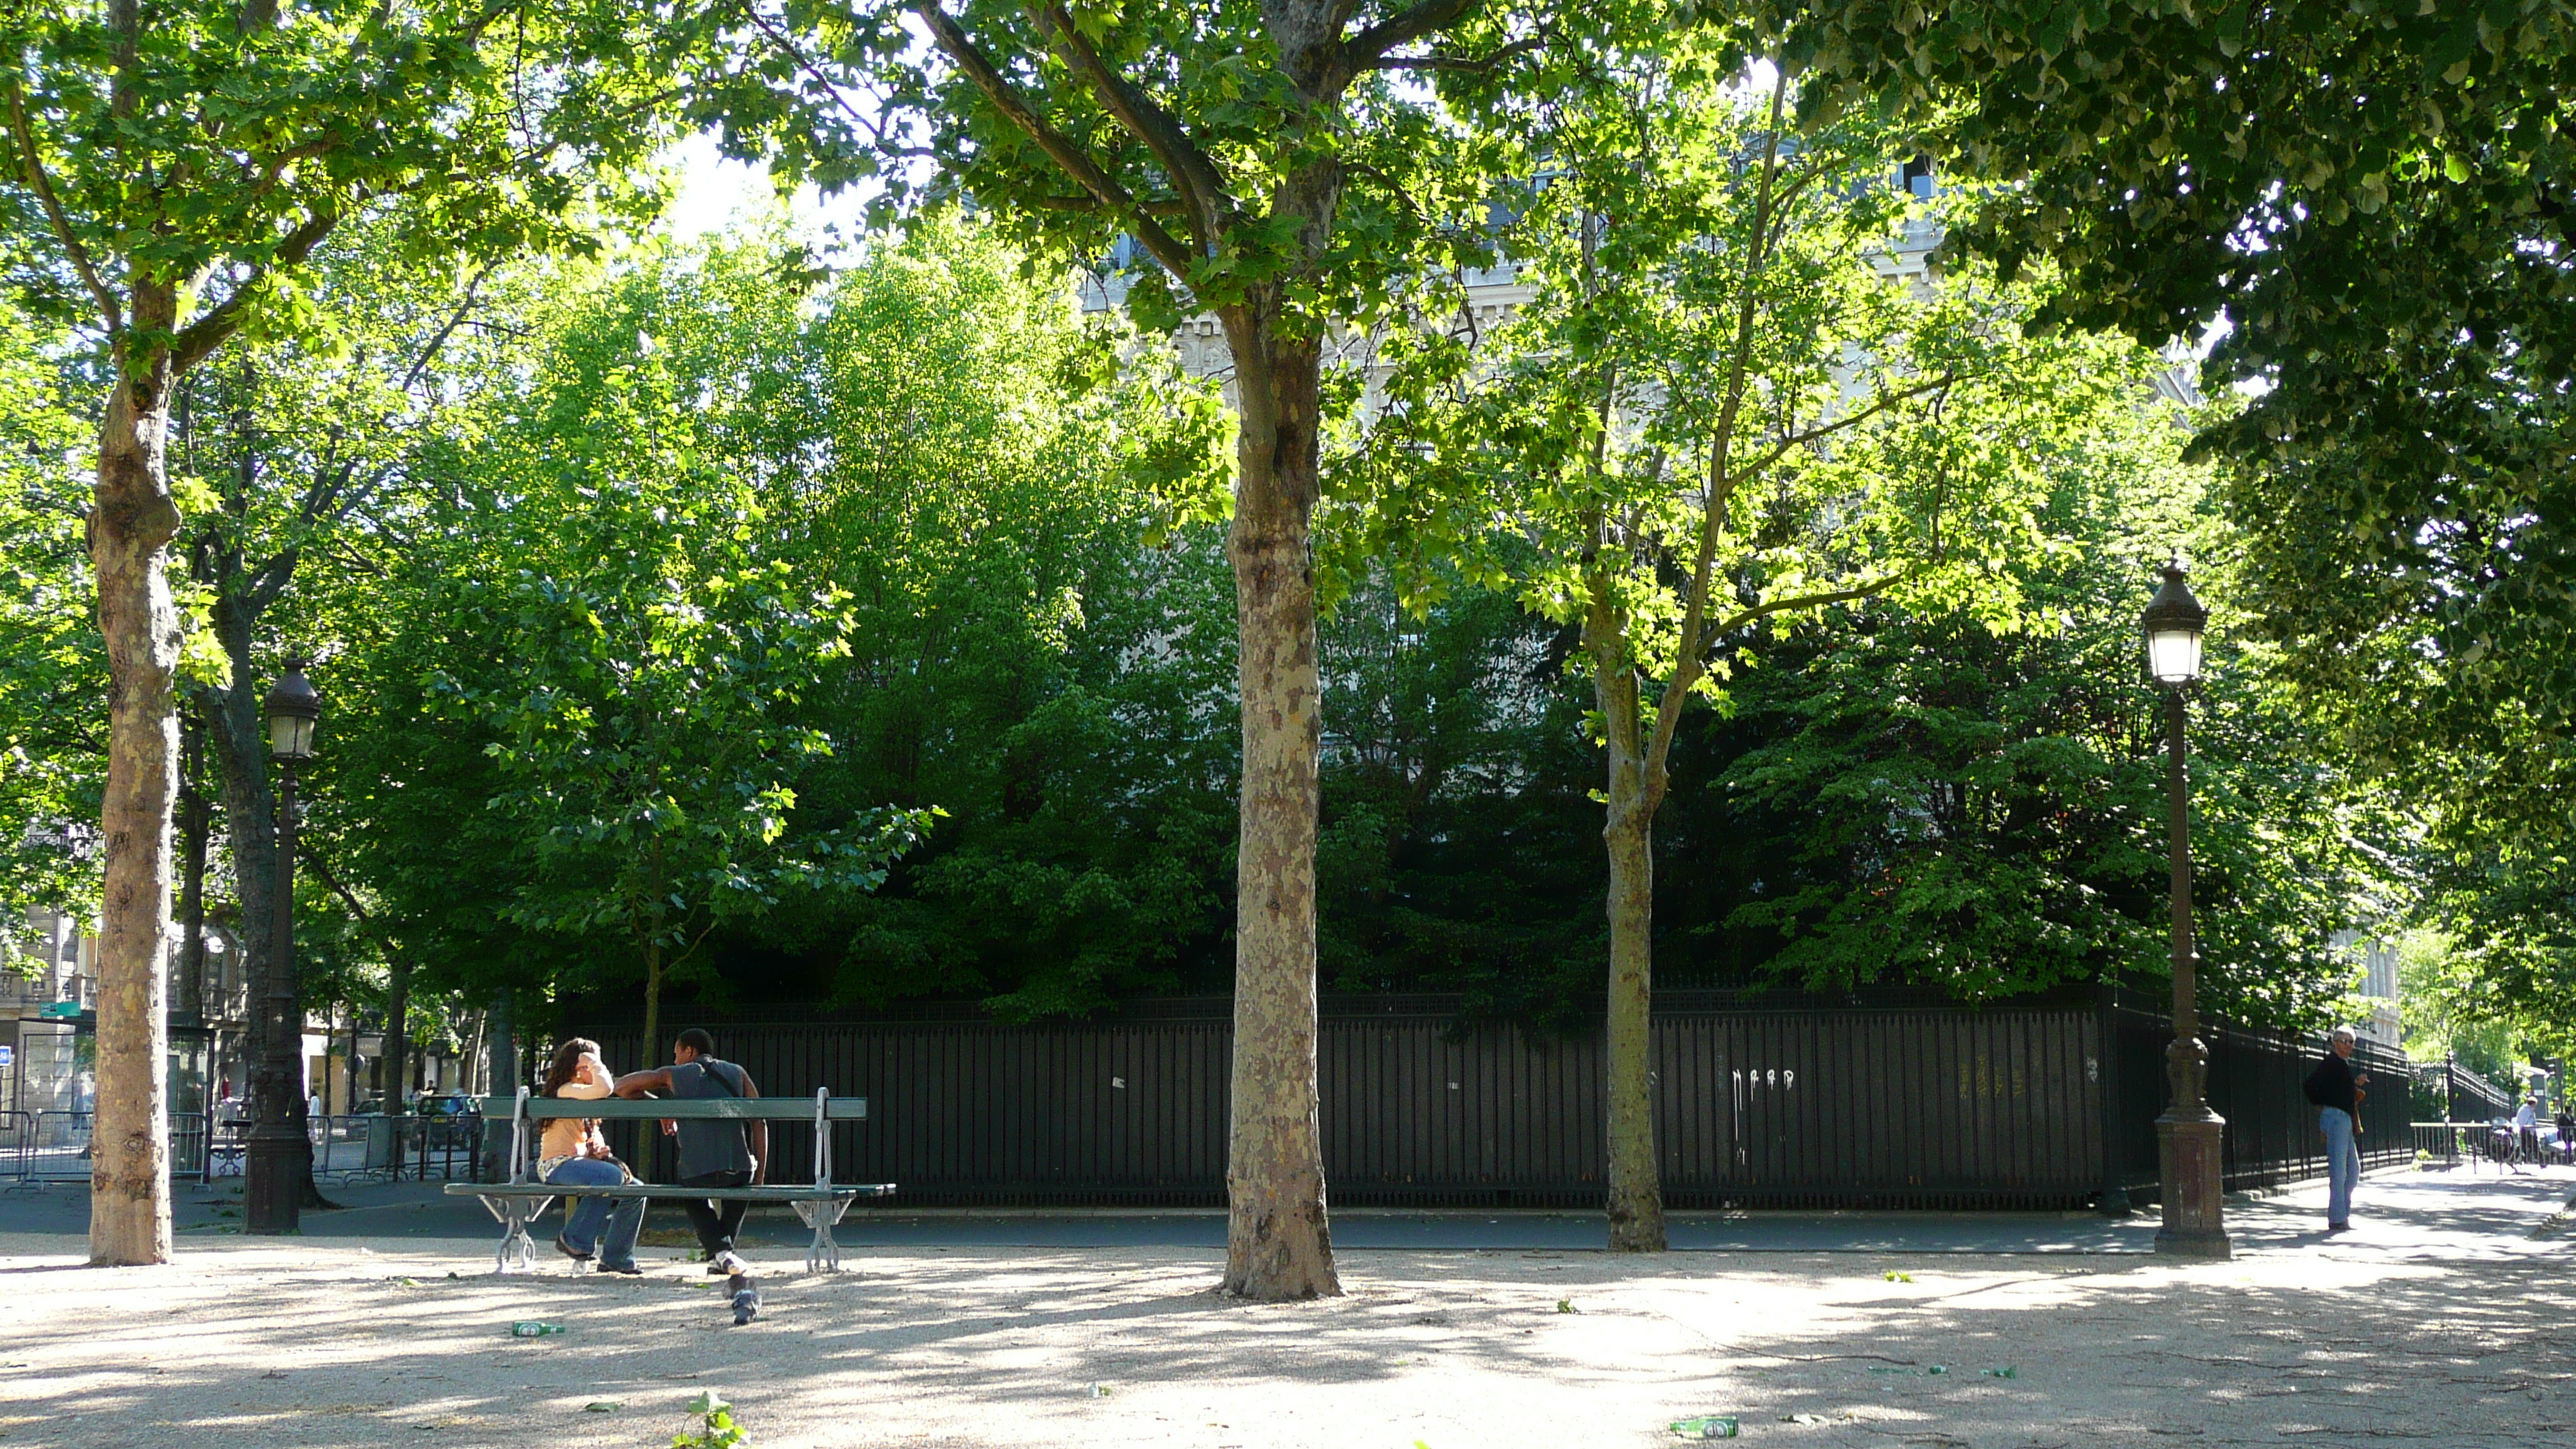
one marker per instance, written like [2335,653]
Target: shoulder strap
[708,1065]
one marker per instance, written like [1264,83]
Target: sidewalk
[2391,1215]
[2439,1322]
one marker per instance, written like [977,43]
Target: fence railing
[17,1138]
[1886,1099]
[38,1147]
[374,1147]
[2473,1097]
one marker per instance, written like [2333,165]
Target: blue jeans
[2343,1163]
[583,1216]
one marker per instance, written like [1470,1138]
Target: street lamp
[2191,1173]
[278,1146]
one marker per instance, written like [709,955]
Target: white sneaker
[728,1263]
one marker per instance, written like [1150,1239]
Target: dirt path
[2441,1325]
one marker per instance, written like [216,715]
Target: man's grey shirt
[707,1148]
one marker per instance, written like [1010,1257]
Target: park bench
[519,1202]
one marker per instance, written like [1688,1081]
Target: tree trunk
[1278,1243]
[502,1079]
[196,824]
[397,1053]
[130,529]
[237,735]
[1636,1198]
[652,1002]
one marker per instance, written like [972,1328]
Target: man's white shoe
[729,1263]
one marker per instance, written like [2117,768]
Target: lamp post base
[272,1188]
[2194,1187]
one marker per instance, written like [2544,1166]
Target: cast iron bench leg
[825,1255]
[514,1214]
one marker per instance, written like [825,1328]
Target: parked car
[442,1104]
[450,1117]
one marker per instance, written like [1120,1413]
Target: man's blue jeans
[583,1216]
[2343,1163]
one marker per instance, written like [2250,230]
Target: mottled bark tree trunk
[1636,1197]
[130,528]
[1278,1242]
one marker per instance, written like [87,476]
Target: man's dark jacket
[2330,1085]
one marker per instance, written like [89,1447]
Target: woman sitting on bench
[575,1154]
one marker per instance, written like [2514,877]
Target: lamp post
[278,1148]
[2191,1173]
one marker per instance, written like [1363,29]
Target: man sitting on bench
[712,1153]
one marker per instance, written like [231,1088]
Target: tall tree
[2370,201]
[1277,175]
[1731,401]
[53,752]
[187,157]
[302,446]
[1984,810]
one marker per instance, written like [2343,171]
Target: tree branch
[1060,148]
[1169,206]
[438,340]
[31,167]
[1813,601]
[1191,169]
[1468,64]
[751,12]
[200,338]
[1722,479]
[1884,402]
[384,938]
[1362,51]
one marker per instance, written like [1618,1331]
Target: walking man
[2335,1088]
[712,1153]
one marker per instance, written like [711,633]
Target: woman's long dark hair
[568,1061]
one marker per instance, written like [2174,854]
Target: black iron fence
[2471,1097]
[1888,1099]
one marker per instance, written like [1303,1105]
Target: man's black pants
[716,1222]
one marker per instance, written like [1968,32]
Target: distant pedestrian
[2526,1130]
[2335,1088]
[713,1153]
[2567,1132]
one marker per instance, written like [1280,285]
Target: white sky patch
[715,193]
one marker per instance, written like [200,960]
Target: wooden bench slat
[657,1190]
[691,1109]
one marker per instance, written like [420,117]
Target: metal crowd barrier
[2437,1141]
[17,1136]
[58,1148]
[40,1147]
[375,1147]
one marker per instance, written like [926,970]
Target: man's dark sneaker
[628,1269]
[578,1255]
[2338,1227]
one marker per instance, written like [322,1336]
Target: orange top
[565,1136]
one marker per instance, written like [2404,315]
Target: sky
[714,192]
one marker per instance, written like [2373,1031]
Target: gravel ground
[2442,1321]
